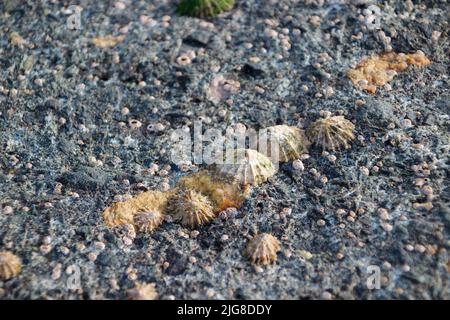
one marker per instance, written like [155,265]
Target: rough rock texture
[69,150]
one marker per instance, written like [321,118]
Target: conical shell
[332,133]
[10,265]
[263,248]
[291,142]
[247,167]
[191,208]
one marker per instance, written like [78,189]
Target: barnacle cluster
[263,248]
[204,8]
[123,212]
[10,265]
[380,69]
[332,133]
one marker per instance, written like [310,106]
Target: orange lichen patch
[379,70]
[223,194]
[107,41]
[123,212]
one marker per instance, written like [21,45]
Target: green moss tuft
[204,8]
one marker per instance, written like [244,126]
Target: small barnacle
[144,291]
[247,167]
[378,70]
[204,8]
[290,141]
[221,88]
[263,248]
[332,133]
[184,60]
[191,208]
[147,221]
[10,265]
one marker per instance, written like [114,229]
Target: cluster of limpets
[198,199]
[204,8]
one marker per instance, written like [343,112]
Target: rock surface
[71,146]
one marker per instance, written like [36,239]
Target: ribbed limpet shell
[263,248]
[10,265]
[191,208]
[332,133]
[291,142]
[247,167]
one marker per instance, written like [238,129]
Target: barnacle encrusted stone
[290,141]
[332,133]
[247,167]
[263,248]
[221,192]
[380,69]
[204,8]
[10,265]
[191,208]
[142,291]
[123,212]
[147,221]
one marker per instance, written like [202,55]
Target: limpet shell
[191,208]
[263,248]
[291,141]
[247,167]
[10,265]
[332,133]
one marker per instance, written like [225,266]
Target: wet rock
[85,178]
[177,263]
[107,259]
[198,39]
[377,113]
[250,70]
